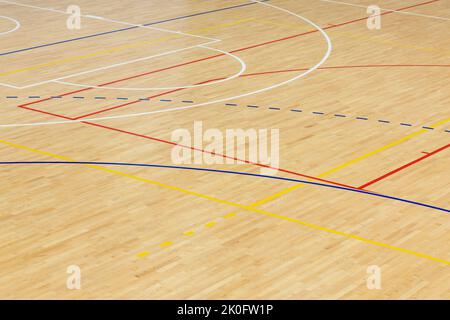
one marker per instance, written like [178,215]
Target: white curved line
[236,75]
[322,61]
[17,25]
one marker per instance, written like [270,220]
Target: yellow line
[106,51]
[97,53]
[210,224]
[166,244]
[371,153]
[236,205]
[350,162]
[143,254]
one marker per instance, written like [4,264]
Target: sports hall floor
[364,122]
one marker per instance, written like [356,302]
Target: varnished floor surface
[364,121]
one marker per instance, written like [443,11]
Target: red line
[125,104]
[404,167]
[266,73]
[203,59]
[47,113]
[346,67]
[162,69]
[217,154]
[136,101]
[196,149]
[218,55]
[24,106]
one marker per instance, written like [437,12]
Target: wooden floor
[369,110]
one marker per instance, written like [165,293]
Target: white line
[109,20]
[322,61]
[105,67]
[203,45]
[236,75]
[402,12]
[17,25]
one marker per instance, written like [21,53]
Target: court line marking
[301,75]
[125,29]
[409,164]
[389,10]
[239,206]
[196,149]
[355,160]
[287,190]
[109,20]
[115,49]
[204,46]
[392,144]
[243,68]
[219,155]
[168,142]
[125,164]
[335,169]
[206,103]
[347,67]
[15,28]
[333,115]
[209,83]
[172,143]
[99,69]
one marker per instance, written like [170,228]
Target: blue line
[126,29]
[229,172]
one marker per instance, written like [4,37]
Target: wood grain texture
[149,233]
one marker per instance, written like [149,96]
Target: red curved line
[347,67]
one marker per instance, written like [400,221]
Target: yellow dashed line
[252,208]
[166,244]
[143,254]
[210,224]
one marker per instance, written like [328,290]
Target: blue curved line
[228,172]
